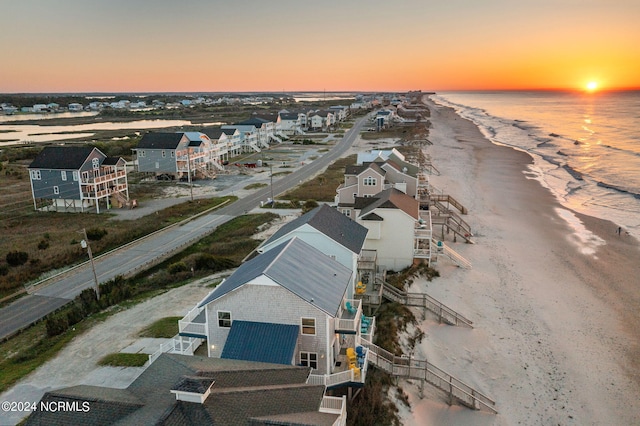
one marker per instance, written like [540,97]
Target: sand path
[553,294]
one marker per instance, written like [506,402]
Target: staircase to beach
[445,250]
[410,368]
[202,169]
[447,218]
[422,300]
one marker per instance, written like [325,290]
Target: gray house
[288,305]
[176,155]
[66,178]
[189,390]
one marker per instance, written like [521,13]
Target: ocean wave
[573,172]
[617,188]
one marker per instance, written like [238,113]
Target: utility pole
[189,171]
[273,202]
[85,245]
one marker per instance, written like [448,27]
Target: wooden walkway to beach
[422,300]
[410,368]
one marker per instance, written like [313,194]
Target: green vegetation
[163,328]
[60,247]
[31,348]
[255,185]
[322,187]
[124,360]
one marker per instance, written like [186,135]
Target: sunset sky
[333,45]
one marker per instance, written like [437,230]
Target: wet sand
[554,296]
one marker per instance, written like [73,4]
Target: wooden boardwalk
[410,368]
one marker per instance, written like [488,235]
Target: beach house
[386,170]
[289,123]
[187,390]
[398,230]
[77,178]
[228,141]
[176,155]
[288,305]
[330,232]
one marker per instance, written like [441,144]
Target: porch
[194,324]
[349,316]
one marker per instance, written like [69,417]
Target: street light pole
[273,202]
[85,244]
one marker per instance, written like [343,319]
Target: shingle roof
[298,267]
[288,116]
[261,342]
[112,161]
[62,157]
[245,389]
[160,140]
[394,199]
[355,169]
[330,222]
[254,121]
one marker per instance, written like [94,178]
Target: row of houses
[81,179]
[293,310]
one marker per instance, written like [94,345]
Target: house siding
[275,304]
[44,187]
[395,243]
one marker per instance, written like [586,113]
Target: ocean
[586,147]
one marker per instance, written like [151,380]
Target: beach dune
[554,296]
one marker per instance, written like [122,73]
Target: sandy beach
[553,296]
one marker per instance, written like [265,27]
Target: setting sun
[592,86]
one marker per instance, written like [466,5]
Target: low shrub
[57,324]
[96,234]
[17,258]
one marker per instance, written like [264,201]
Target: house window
[224,319]
[35,175]
[346,212]
[63,175]
[369,181]
[309,359]
[56,190]
[140,153]
[173,154]
[75,176]
[309,326]
[164,154]
[95,163]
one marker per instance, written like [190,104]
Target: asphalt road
[143,253]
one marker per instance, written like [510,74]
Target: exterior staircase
[423,300]
[121,198]
[275,138]
[448,218]
[411,368]
[255,146]
[202,169]
[457,258]
[444,198]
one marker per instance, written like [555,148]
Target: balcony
[335,405]
[349,317]
[344,374]
[104,177]
[194,324]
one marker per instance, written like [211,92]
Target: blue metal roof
[261,342]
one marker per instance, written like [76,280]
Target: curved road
[141,254]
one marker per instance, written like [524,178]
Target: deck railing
[186,324]
[349,321]
[335,405]
[421,369]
